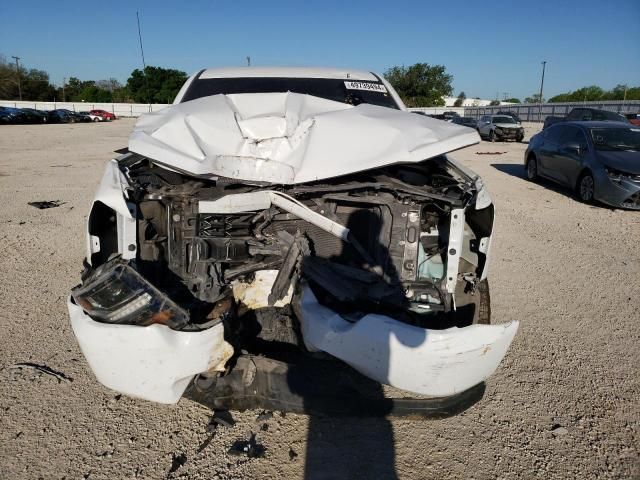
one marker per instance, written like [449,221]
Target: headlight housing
[116,293]
[617,176]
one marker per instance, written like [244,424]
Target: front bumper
[428,362]
[153,363]
[157,363]
[625,194]
[509,134]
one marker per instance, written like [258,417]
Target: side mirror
[573,148]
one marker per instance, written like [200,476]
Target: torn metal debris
[46,204]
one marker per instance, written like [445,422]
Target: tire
[492,136]
[586,187]
[532,168]
[519,139]
[96,119]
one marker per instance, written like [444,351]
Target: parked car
[35,116]
[62,116]
[104,114]
[634,118]
[450,115]
[466,121]
[93,117]
[500,127]
[83,117]
[511,114]
[270,213]
[598,160]
[586,114]
[10,115]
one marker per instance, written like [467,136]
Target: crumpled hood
[289,138]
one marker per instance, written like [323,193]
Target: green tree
[460,100]
[535,98]
[421,85]
[494,102]
[34,83]
[595,93]
[513,100]
[163,84]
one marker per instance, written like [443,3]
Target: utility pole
[544,64]
[17,59]
[64,82]
[144,65]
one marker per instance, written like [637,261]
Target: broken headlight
[116,293]
[616,175]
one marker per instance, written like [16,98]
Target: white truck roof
[285,72]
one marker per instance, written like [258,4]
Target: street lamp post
[17,59]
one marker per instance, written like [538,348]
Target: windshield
[353,92]
[608,139]
[504,119]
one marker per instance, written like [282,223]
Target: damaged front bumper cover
[157,363]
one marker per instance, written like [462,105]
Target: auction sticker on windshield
[373,87]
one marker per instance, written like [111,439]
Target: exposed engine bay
[396,257]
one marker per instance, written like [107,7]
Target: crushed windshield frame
[327,88]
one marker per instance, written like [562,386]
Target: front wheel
[586,187]
[519,139]
[96,119]
[532,169]
[492,136]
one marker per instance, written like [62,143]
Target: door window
[573,135]
[553,133]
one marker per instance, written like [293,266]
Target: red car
[104,114]
[634,118]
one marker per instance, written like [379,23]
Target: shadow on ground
[517,170]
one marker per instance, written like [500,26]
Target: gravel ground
[563,404]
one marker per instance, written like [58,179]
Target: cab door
[484,125]
[547,150]
[568,157]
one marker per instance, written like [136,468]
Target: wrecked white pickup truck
[291,239]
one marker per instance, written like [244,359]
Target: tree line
[161,85]
[419,85]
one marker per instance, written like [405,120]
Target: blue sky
[487,46]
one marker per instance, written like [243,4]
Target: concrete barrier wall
[119,109]
[529,112]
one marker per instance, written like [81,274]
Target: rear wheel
[586,187]
[532,168]
[96,119]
